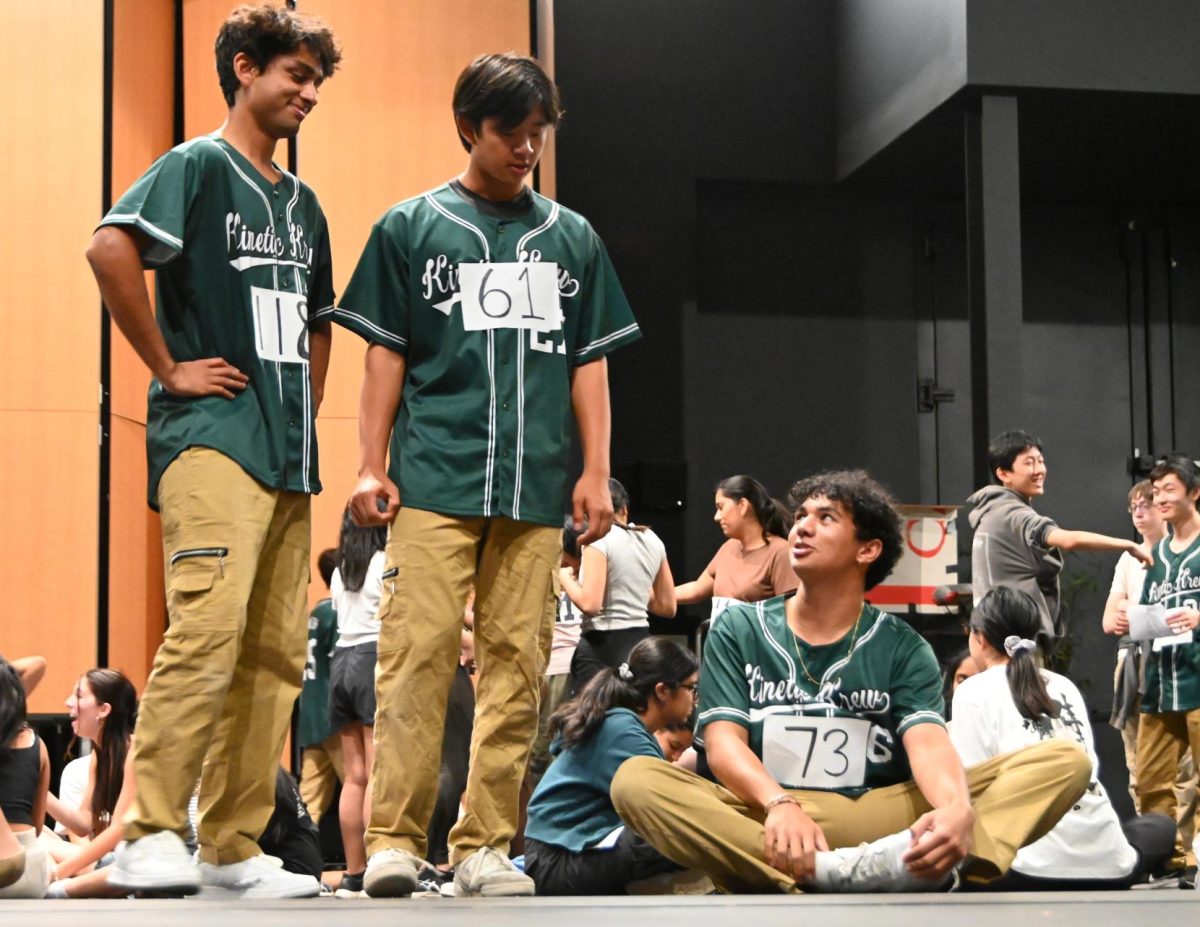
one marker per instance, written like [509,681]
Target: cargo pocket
[193,574]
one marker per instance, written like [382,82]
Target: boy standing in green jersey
[239,353]
[822,719]
[490,311]
[1170,719]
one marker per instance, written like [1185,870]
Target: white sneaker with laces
[259,877]
[871,867]
[156,864]
[392,873]
[490,873]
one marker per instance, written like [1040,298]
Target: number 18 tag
[510,295]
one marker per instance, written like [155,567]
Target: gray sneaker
[158,864]
[490,873]
[392,873]
[872,867]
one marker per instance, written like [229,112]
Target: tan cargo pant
[1017,797]
[514,566]
[320,771]
[228,671]
[1163,739]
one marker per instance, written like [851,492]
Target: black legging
[556,870]
[456,751]
[598,649]
[1151,835]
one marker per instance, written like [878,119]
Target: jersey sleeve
[320,279]
[606,320]
[157,205]
[970,730]
[724,693]
[375,305]
[917,685]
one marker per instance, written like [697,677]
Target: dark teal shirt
[571,806]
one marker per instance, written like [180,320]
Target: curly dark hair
[870,506]
[266,32]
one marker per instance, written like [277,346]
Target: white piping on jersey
[368,324]
[255,187]
[920,717]
[489,471]
[550,220]
[487,254]
[306,459]
[761,615]
[153,230]
[725,710]
[840,664]
[600,342]
[520,427]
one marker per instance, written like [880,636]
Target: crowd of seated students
[1004,797]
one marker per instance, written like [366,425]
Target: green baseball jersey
[491,315]
[243,271]
[1173,670]
[840,733]
[314,696]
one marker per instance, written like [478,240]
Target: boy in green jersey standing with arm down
[822,718]
[490,311]
[239,355]
[1170,720]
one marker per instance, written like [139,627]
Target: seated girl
[575,843]
[1011,704]
[24,781]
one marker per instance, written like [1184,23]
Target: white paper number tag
[513,295]
[816,753]
[280,325]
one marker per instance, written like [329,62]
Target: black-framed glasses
[691,687]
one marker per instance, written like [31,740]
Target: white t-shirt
[1087,843]
[568,625]
[72,785]
[634,558]
[1128,577]
[357,611]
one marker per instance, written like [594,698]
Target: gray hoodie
[1009,549]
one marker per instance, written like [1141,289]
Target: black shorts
[352,685]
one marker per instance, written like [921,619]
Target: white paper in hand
[1146,622]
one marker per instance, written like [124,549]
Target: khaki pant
[1017,797]
[320,771]
[1163,741]
[228,671]
[1185,776]
[514,566]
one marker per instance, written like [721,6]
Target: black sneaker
[431,880]
[351,887]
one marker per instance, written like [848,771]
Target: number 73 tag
[804,752]
[510,295]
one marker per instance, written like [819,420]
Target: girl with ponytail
[1012,703]
[753,564]
[575,843]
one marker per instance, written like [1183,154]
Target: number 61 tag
[816,753]
[510,295]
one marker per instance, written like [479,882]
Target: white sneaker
[259,877]
[490,873]
[871,867]
[157,864]
[392,873]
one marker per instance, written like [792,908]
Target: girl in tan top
[753,564]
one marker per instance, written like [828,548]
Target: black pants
[598,649]
[557,871]
[456,752]
[1152,835]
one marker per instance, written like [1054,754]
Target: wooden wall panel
[50,355]
[383,132]
[142,129]
[48,467]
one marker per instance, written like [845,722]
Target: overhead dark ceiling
[1089,146]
